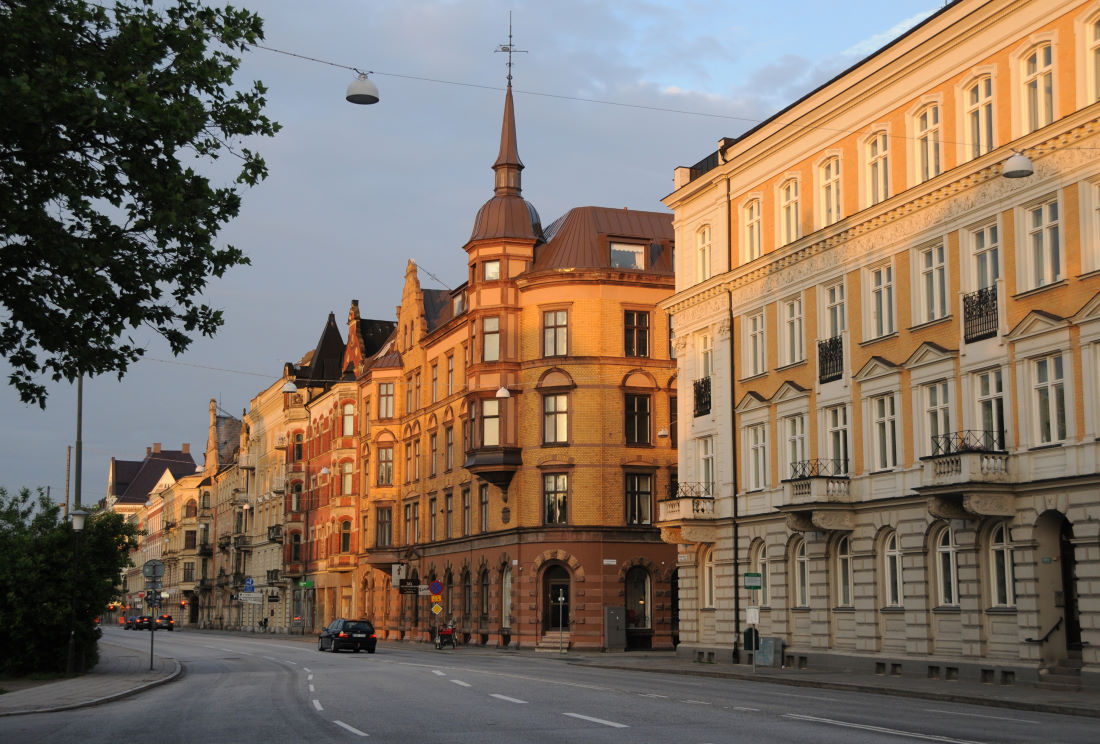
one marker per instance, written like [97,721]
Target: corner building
[517,434]
[894,351]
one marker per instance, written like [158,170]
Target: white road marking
[317,705]
[230,650]
[352,729]
[979,715]
[507,699]
[461,683]
[612,724]
[271,658]
[310,678]
[803,697]
[288,661]
[439,672]
[306,669]
[881,729]
[652,694]
[753,710]
[311,688]
[695,702]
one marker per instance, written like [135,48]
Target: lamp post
[561,622]
[78,516]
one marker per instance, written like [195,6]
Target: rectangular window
[793,348]
[433,521]
[636,333]
[836,438]
[878,168]
[189,539]
[555,418]
[1044,243]
[448,515]
[1039,87]
[467,527]
[702,254]
[554,333]
[627,256]
[483,506]
[408,462]
[385,466]
[1050,400]
[409,523]
[383,536]
[450,375]
[937,416]
[933,283]
[882,301]
[884,418]
[757,438]
[991,408]
[706,464]
[794,429]
[490,344]
[928,143]
[435,383]
[830,191]
[433,453]
[416,459]
[987,266]
[836,318]
[639,498]
[555,487]
[385,400]
[752,230]
[449,448]
[188,571]
[490,423]
[789,225]
[637,419]
[979,116]
[755,348]
[409,395]
[492,271]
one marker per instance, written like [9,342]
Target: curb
[174,674]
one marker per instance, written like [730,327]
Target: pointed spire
[508,165]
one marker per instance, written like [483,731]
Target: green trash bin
[751,639]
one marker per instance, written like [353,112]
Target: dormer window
[459,305]
[492,271]
[627,256]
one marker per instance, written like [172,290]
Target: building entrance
[555,612]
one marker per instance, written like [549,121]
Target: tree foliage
[53,579]
[105,225]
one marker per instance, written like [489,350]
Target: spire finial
[509,47]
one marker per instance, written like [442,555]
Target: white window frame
[756,455]
[1037,94]
[703,268]
[1048,383]
[794,435]
[790,226]
[842,565]
[829,193]
[947,568]
[1002,569]
[752,237]
[928,150]
[706,356]
[880,312]
[1040,255]
[989,401]
[801,571]
[834,316]
[985,255]
[884,431]
[1090,225]
[756,348]
[876,152]
[707,578]
[892,570]
[793,347]
[931,282]
[491,270]
[936,400]
[837,443]
[979,117]
[707,473]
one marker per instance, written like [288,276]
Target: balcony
[246,461]
[237,580]
[223,579]
[242,542]
[967,457]
[496,465]
[980,314]
[341,562]
[205,584]
[169,524]
[818,481]
[830,359]
[206,550]
[701,389]
[275,577]
[688,515]
[275,533]
[224,542]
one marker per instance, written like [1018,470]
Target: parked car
[143,622]
[344,633]
[131,623]
[165,622]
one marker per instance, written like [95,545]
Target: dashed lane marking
[311,688]
[601,721]
[979,715]
[881,729]
[439,673]
[352,729]
[652,695]
[460,683]
[695,702]
[317,705]
[507,699]
[752,710]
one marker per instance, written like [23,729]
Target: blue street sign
[249,585]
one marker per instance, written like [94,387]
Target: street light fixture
[362,90]
[78,516]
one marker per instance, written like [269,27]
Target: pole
[79,443]
[561,623]
[152,632]
[69,665]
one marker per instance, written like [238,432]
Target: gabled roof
[150,471]
[581,239]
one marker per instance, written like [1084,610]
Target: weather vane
[509,47]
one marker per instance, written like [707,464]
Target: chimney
[156,447]
[148,451]
[186,448]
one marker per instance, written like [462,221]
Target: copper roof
[581,238]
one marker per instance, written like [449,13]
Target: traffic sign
[753,581]
[437,597]
[437,608]
[249,585]
[153,568]
[436,587]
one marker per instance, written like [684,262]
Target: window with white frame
[555,418]
[760,566]
[752,236]
[1043,254]
[891,570]
[1090,241]
[490,344]
[702,254]
[1092,59]
[789,226]
[927,134]
[555,333]
[754,347]
[985,241]
[979,116]
[801,572]
[885,427]
[1038,80]
[881,280]
[836,317]
[793,347]
[836,438]
[708,578]
[937,417]
[706,356]
[991,408]
[1049,400]
[757,438]
[492,270]
[555,492]
[794,432]
[347,427]
[843,567]
[878,167]
[829,178]
[385,400]
[947,568]
[1002,570]
[932,264]
[490,422]
[346,479]
[706,464]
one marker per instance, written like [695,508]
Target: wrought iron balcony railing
[830,359]
[819,469]
[702,396]
[980,314]
[968,441]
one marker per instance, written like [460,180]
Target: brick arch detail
[561,556]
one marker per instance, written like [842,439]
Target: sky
[355,192]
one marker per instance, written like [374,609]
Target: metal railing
[819,469]
[980,314]
[830,359]
[702,396]
[967,441]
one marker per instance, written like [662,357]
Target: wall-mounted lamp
[662,432]
[502,392]
[1018,166]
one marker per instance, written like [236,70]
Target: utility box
[770,653]
[614,628]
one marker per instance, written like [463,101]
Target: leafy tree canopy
[53,579]
[105,226]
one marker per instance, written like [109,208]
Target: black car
[353,634]
[143,622]
[131,622]
[165,622]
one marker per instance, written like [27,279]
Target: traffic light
[183,604]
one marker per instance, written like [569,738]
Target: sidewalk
[122,671]
[119,673]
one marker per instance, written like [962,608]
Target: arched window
[348,426]
[703,254]
[1003,572]
[760,566]
[843,572]
[467,595]
[926,128]
[506,597]
[789,225]
[483,591]
[708,578]
[751,237]
[1038,79]
[947,567]
[345,536]
[878,167]
[801,572]
[829,178]
[191,509]
[891,570]
[296,497]
[1092,59]
[637,598]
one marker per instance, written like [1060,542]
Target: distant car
[131,623]
[165,622]
[143,622]
[344,633]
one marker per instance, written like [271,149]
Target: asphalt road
[243,689]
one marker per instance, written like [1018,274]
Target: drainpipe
[736,514]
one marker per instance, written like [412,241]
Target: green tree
[53,579]
[105,225]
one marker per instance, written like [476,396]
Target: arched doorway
[555,593]
[1059,618]
[639,626]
